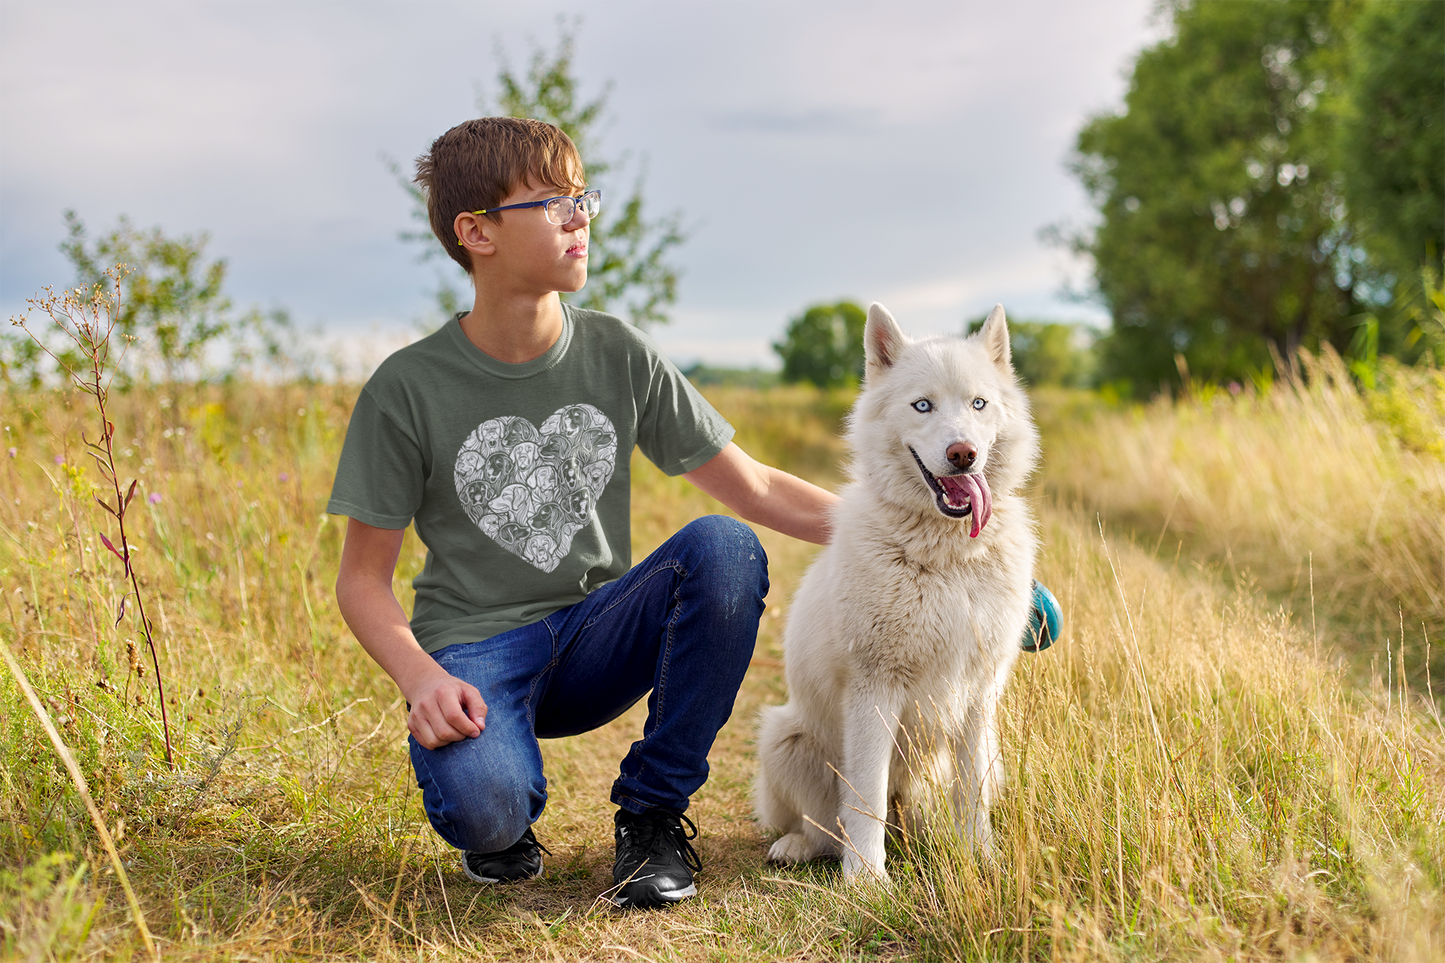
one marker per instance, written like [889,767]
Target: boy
[505,437]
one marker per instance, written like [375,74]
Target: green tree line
[175,323]
[1275,180]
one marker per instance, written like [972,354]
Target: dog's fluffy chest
[916,619]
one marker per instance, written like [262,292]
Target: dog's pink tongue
[969,490]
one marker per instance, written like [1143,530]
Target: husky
[905,628]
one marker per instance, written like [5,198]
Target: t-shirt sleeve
[381,475]
[679,430]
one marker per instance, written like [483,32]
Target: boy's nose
[579,219]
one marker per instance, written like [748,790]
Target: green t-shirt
[517,475]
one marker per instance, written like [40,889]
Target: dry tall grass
[1188,777]
[1331,499]
[1191,781]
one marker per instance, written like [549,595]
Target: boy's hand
[445,709]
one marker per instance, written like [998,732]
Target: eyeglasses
[559,210]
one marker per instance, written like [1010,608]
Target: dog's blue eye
[978,404]
[923,404]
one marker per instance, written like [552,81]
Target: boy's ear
[474,233]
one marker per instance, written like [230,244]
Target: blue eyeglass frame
[576,203]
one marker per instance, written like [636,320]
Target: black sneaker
[655,861]
[519,861]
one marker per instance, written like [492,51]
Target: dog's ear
[994,335]
[883,340]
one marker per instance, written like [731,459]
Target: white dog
[905,628]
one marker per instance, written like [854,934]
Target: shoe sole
[650,897]
[499,879]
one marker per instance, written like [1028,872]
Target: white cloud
[903,151]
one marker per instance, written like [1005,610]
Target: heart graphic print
[530,490]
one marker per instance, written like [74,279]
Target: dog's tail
[793,777]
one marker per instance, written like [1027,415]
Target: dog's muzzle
[959,495]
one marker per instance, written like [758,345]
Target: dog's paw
[857,869]
[792,848]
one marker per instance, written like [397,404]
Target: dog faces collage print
[530,490]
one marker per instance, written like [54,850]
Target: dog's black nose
[962,454]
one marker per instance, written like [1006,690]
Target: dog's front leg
[978,774]
[870,723]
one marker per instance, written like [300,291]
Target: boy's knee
[494,815]
[730,557]
[487,808]
[491,830]
[727,568]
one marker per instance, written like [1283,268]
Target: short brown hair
[479,162]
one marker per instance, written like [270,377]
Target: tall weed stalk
[89,321]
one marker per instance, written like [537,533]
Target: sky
[907,153]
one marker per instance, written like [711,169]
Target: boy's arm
[443,708]
[762,494]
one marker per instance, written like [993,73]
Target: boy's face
[530,253]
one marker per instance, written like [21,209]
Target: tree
[1392,132]
[628,270]
[1048,352]
[824,345]
[173,310]
[1223,230]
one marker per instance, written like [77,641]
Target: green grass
[1191,773]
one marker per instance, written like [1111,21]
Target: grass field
[1229,755]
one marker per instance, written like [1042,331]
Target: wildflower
[281,477]
[154,498]
[11,452]
[60,459]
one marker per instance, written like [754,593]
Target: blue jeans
[681,624]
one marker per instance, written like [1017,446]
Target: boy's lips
[577,250]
